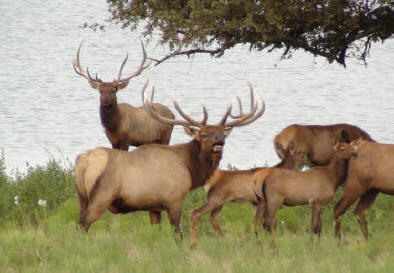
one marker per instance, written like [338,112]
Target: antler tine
[225,116]
[240,103]
[150,110]
[204,109]
[121,67]
[79,70]
[248,118]
[259,114]
[139,70]
[187,117]
[240,109]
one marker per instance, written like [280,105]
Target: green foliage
[334,29]
[30,197]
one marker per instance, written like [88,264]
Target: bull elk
[154,177]
[223,187]
[315,186]
[314,142]
[125,125]
[370,173]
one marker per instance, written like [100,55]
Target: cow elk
[223,187]
[315,186]
[370,173]
[314,142]
[154,177]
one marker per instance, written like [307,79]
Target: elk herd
[157,177]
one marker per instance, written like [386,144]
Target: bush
[29,197]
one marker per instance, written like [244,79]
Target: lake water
[47,110]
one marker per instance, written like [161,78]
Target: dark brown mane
[110,117]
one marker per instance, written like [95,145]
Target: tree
[334,29]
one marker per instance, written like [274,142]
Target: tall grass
[42,236]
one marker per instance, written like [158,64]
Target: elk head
[211,137]
[344,150]
[108,90]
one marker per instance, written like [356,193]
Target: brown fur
[125,125]
[223,187]
[295,142]
[315,186]
[370,173]
[154,177]
[139,180]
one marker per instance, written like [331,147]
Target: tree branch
[218,52]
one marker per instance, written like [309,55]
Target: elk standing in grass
[315,186]
[125,125]
[153,177]
[313,142]
[370,173]
[223,187]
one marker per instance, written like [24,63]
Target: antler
[79,70]
[189,121]
[244,119]
[139,70]
[188,118]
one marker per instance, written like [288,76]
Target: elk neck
[110,116]
[201,164]
[337,170]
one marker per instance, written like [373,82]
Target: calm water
[46,110]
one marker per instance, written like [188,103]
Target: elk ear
[345,136]
[191,131]
[336,144]
[291,148]
[122,85]
[227,131]
[94,84]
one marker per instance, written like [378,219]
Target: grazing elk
[223,187]
[125,125]
[153,177]
[370,173]
[315,186]
[314,142]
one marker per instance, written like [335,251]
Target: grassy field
[38,210]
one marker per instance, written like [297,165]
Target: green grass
[37,238]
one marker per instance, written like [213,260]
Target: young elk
[153,177]
[315,186]
[223,187]
[125,125]
[370,173]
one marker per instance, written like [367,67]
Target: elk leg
[92,213]
[213,221]
[340,208]
[83,204]
[99,202]
[258,215]
[271,206]
[365,203]
[316,221]
[155,217]
[195,216]
[174,215]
